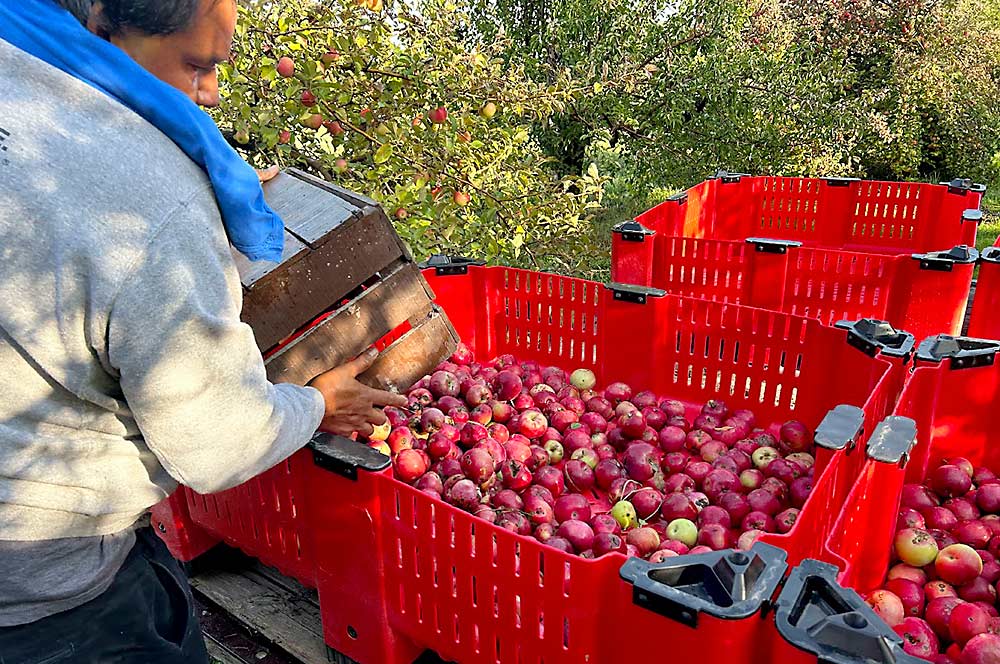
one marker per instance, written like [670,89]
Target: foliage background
[605,107]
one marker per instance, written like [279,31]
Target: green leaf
[382,154]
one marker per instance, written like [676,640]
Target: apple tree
[393,103]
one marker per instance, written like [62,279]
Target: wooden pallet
[251,614]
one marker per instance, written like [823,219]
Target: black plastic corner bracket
[450,265]
[990,255]
[336,657]
[973,215]
[840,182]
[945,261]
[771,246]
[634,294]
[840,428]
[818,616]
[872,336]
[962,352]
[892,440]
[728,178]
[725,584]
[345,456]
[963,186]
[681,197]
[632,231]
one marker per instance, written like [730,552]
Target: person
[124,366]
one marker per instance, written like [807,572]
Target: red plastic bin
[399,572]
[264,517]
[984,323]
[832,213]
[831,249]
[173,523]
[942,412]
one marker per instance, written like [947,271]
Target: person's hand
[268,173]
[350,405]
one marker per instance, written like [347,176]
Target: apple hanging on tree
[438,115]
[286,67]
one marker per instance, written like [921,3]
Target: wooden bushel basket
[345,282]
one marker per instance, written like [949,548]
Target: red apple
[958,564]
[966,621]
[982,649]
[937,589]
[938,615]
[910,594]
[949,481]
[887,606]
[286,67]
[919,639]
[438,115]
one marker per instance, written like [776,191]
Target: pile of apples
[941,597]
[544,453]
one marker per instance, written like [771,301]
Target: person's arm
[192,374]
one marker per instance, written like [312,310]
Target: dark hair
[153,17]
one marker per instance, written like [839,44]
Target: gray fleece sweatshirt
[124,367]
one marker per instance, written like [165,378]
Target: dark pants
[145,617]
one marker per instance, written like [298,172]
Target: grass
[989,230]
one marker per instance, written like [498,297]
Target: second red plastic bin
[398,571]
[944,411]
[830,249]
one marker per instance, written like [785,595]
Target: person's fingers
[268,173]
[329,425]
[377,417]
[382,398]
[363,362]
[366,430]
